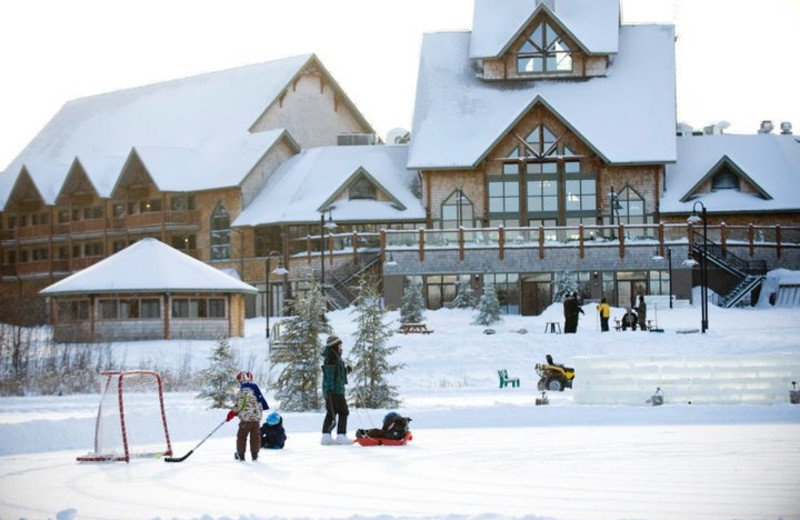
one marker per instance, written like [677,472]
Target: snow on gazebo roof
[627,116]
[148,265]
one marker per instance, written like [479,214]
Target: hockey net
[131,421]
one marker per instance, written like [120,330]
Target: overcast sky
[736,58]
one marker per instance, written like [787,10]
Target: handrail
[739,266]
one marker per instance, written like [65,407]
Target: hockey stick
[181,459]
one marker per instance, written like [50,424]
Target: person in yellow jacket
[605,313]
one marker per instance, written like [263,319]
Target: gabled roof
[768,162]
[304,185]
[209,115]
[593,24]
[627,116]
[725,162]
[167,270]
[43,176]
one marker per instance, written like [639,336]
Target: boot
[342,439]
[327,440]
[238,456]
[254,455]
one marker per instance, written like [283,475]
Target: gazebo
[147,291]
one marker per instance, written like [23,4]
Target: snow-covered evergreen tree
[412,304]
[465,297]
[488,307]
[299,354]
[370,354]
[565,283]
[218,381]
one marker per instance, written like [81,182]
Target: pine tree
[217,381]
[565,283]
[299,353]
[370,352]
[412,304]
[488,307]
[465,297]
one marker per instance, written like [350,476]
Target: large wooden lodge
[544,144]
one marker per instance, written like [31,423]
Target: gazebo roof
[149,265]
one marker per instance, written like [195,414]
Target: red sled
[379,441]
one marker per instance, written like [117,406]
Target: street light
[658,258]
[330,225]
[615,206]
[280,271]
[694,219]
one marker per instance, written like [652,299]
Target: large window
[543,51]
[544,173]
[220,233]
[73,310]
[198,308]
[363,188]
[128,308]
[457,210]
[507,287]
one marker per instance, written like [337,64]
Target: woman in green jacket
[334,379]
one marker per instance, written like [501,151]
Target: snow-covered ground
[479,452]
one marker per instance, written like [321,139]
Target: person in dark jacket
[395,427]
[629,319]
[641,311]
[273,435]
[248,405]
[572,308]
[334,379]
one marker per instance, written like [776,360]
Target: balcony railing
[619,237]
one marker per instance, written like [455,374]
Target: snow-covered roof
[593,24]
[770,161]
[204,119]
[627,116]
[148,266]
[304,185]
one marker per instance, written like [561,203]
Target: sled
[379,441]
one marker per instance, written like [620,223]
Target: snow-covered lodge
[544,149]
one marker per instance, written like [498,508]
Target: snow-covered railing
[733,379]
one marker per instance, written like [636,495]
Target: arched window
[457,210]
[543,51]
[631,207]
[220,233]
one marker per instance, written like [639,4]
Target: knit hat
[333,341]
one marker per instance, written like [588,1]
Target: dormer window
[725,180]
[363,189]
[544,51]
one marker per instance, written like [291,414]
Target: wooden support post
[460,244]
[778,240]
[580,242]
[501,241]
[383,245]
[750,238]
[622,241]
[421,245]
[541,242]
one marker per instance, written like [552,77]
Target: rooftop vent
[684,129]
[356,139]
[766,127]
[786,128]
[716,129]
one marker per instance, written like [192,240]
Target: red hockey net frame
[114,429]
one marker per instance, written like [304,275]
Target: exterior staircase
[337,291]
[751,274]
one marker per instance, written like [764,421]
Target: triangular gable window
[362,189]
[725,179]
[543,51]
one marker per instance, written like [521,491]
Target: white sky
[735,57]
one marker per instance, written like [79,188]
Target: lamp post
[280,271]
[658,257]
[330,225]
[615,206]
[694,219]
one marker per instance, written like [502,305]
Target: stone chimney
[766,127]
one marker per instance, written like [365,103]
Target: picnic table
[414,328]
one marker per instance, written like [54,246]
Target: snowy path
[657,472]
